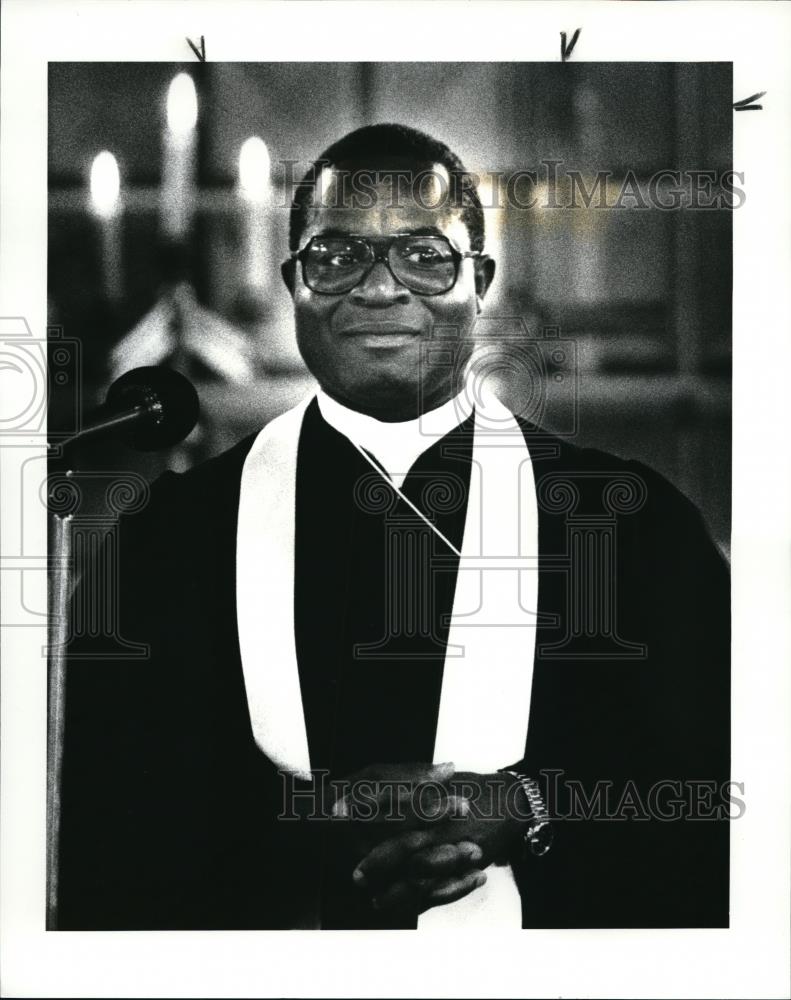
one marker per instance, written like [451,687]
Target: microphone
[146,408]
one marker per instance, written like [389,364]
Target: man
[350,597]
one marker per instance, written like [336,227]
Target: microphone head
[170,399]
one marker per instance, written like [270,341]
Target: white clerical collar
[396,445]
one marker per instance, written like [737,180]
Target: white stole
[487,678]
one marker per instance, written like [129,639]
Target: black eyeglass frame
[382,256]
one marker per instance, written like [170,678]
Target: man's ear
[484,275]
[288,272]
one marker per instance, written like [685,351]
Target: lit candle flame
[179,148]
[254,165]
[105,184]
[182,105]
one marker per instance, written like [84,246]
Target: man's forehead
[386,199]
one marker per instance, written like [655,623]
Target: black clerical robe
[170,810]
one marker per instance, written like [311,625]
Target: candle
[105,188]
[254,194]
[180,142]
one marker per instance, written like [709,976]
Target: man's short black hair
[366,147]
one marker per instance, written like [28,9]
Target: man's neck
[396,444]
[403,410]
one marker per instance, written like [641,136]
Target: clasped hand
[424,833]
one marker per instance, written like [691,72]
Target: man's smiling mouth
[381,334]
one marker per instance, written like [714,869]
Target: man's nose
[379,289]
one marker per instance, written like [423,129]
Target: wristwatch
[538,835]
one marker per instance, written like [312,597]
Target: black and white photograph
[388,465]
[267,722]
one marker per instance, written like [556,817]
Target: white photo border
[748,960]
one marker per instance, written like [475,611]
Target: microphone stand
[60,548]
[114,422]
[164,402]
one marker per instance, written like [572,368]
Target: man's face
[367,347]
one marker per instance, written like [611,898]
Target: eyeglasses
[427,265]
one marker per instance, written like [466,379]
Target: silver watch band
[538,836]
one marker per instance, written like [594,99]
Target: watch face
[540,839]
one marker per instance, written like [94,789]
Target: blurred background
[168,217]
